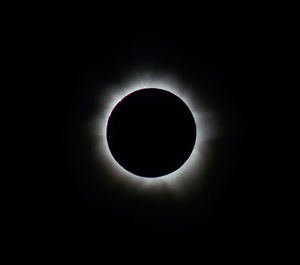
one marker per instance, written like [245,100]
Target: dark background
[71,212]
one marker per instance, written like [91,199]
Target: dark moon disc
[151,132]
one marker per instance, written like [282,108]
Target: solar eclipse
[193,129]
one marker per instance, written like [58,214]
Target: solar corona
[176,178]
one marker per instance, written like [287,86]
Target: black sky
[73,210]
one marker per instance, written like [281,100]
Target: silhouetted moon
[151,132]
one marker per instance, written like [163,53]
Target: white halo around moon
[190,171]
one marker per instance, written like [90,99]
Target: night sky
[76,213]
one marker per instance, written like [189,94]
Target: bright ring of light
[176,180]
